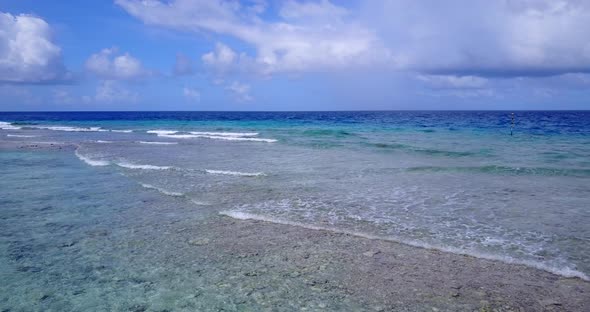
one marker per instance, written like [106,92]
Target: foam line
[161,190]
[235,173]
[566,272]
[90,161]
[158,143]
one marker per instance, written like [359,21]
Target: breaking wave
[21,136]
[161,190]
[235,173]
[90,161]
[129,165]
[158,143]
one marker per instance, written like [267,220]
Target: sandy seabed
[216,263]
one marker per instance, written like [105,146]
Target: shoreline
[396,276]
[567,272]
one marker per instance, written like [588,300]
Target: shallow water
[455,181]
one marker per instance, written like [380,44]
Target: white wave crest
[238,139]
[215,137]
[229,134]
[178,136]
[235,173]
[158,143]
[70,129]
[122,131]
[8,126]
[161,190]
[199,203]
[162,131]
[104,142]
[563,271]
[91,162]
[21,136]
[144,167]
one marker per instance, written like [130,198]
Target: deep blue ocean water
[454,181]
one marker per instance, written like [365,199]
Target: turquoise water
[454,181]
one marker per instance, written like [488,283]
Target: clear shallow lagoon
[455,181]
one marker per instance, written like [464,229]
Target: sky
[103,55]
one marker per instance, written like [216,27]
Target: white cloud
[191,94]
[110,91]
[323,10]
[453,82]
[485,38]
[222,59]
[109,64]
[298,43]
[27,51]
[454,37]
[61,96]
[240,91]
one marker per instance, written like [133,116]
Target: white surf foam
[158,143]
[216,137]
[144,167]
[21,136]
[199,203]
[8,126]
[158,132]
[70,129]
[563,271]
[122,131]
[178,136]
[230,138]
[104,142]
[161,190]
[235,173]
[230,134]
[91,162]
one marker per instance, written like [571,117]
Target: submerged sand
[216,263]
[282,267]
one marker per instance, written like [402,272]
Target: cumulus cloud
[61,96]
[485,38]
[109,64]
[27,51]
[299,42]
[322,10]
[240,91]
[221,59]
[450,38]
[110,91]
[191,94]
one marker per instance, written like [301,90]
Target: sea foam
[144,167]
[161,190]
[70,129]
[8,126]
[235,173]
[158,132]
[158,143]
[216,137]
[90,161]
[21,136]
[230,134]
[563,271]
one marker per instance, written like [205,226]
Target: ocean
[472,183]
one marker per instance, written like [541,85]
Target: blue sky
[294,55]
